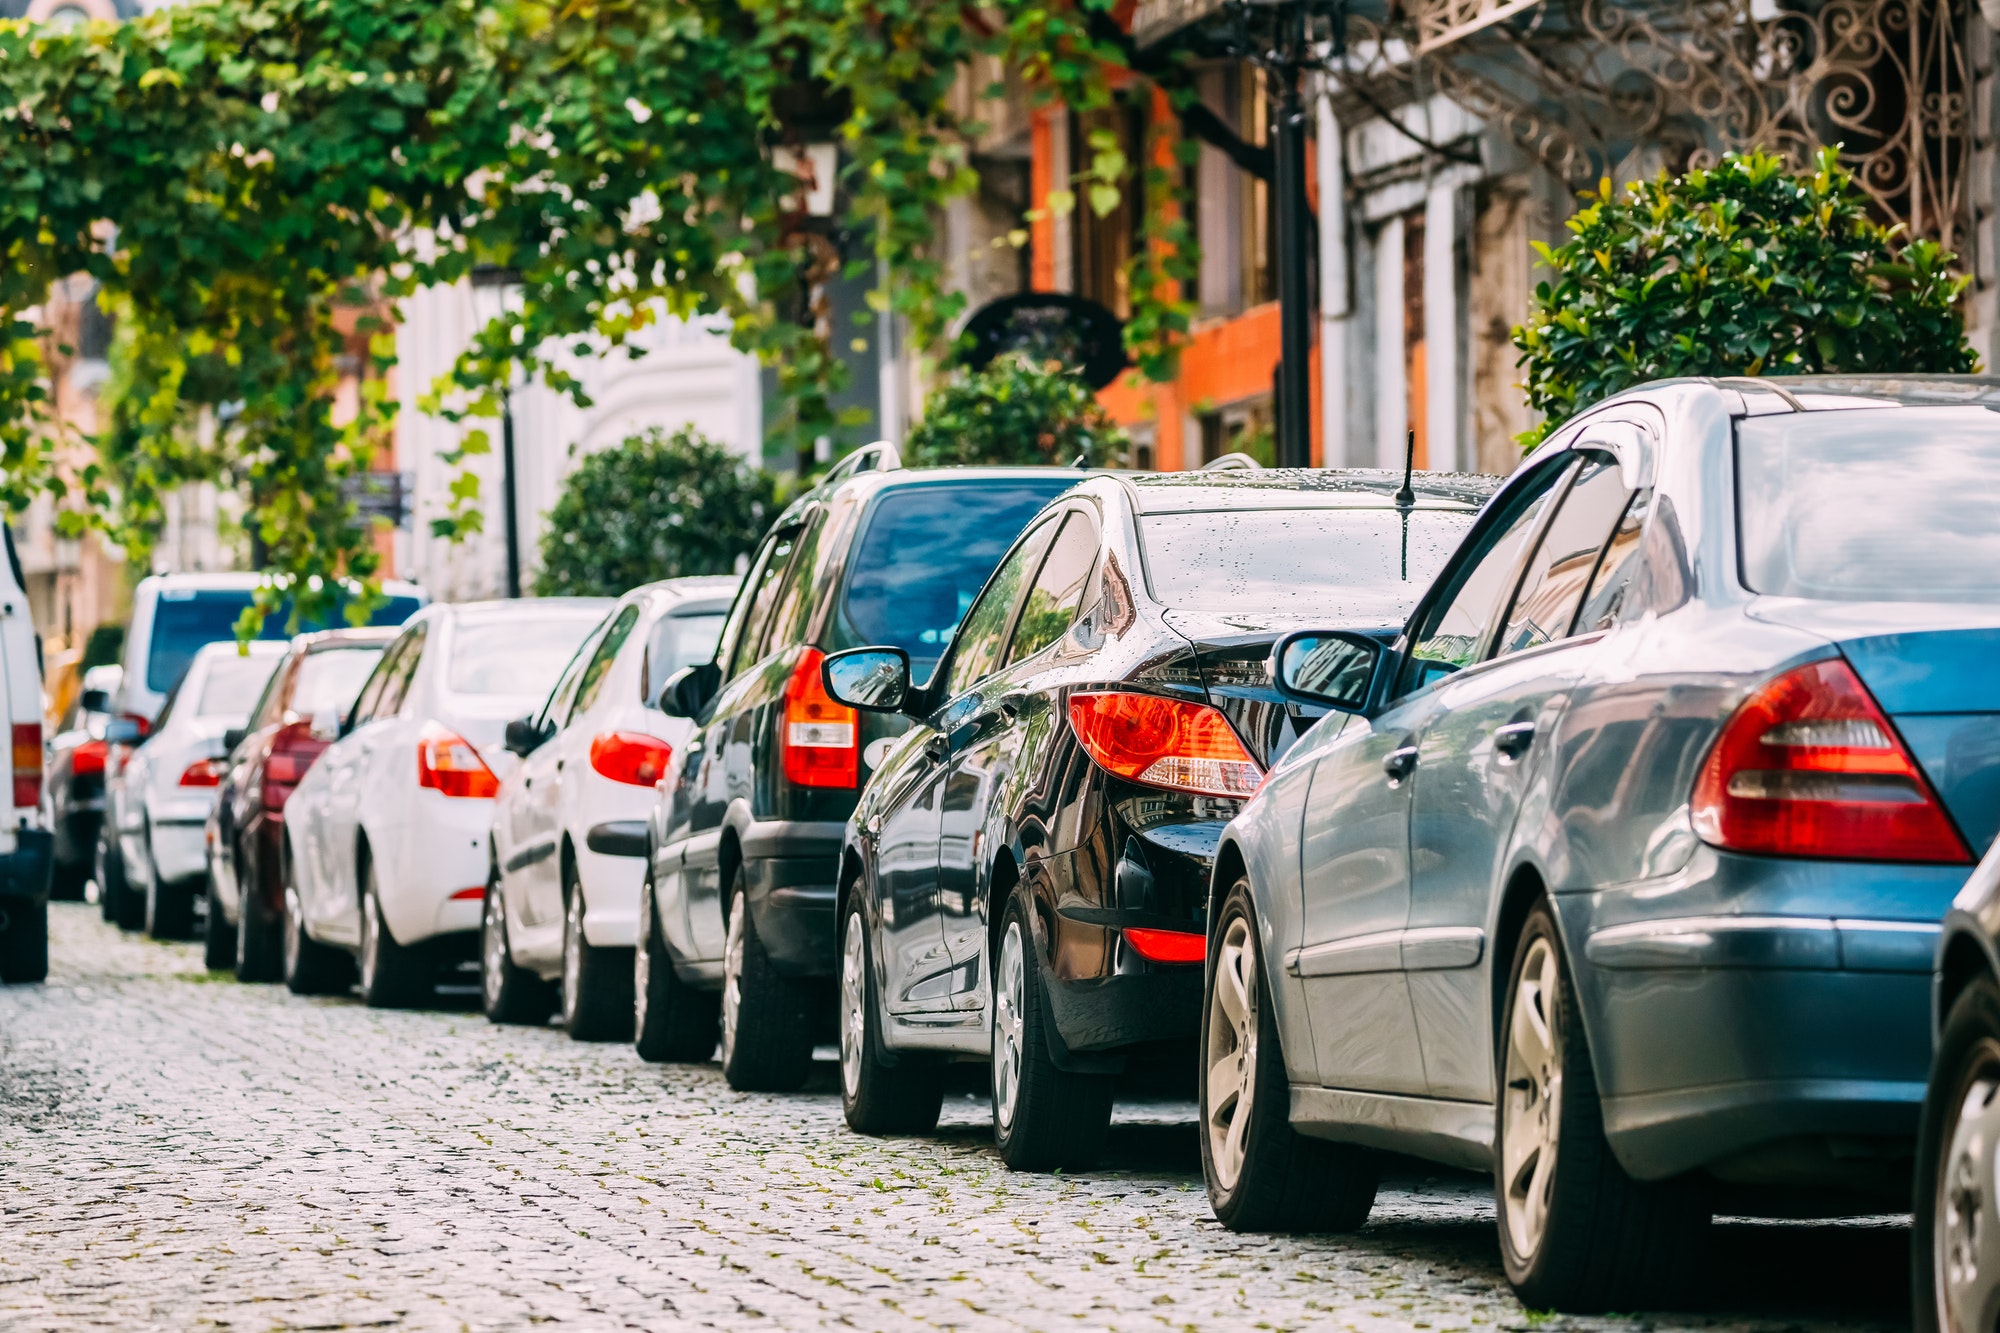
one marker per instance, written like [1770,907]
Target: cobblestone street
[180,1151]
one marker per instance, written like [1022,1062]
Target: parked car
[26,845]
[73,789]
[1620,873]
[1026,877]
[569,829]
[387,835]
[747,832]
[300,712]
[159,800]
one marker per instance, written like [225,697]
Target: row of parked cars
[1611,828]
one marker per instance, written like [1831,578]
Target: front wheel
[1263,1175]
[671,1020]
[597,982]
[877,1097]
[1045,1118]
[169,907]
[1577,1234]
[766,1037]
[218,936]
[261,943]
[310,968]
[508,992]
[1956,1239]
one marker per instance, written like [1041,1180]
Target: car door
[327,840]
[354,781]
[534,889]
[1354,861]
[570,784]
[1476,759]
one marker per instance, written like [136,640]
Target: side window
[1560,570]
[1449,635]
[270,707]
[763,595]
[976,651]
[367,704]
[396,686]
[556,711]
[739,609]
[600,661]
[795,592]
[1605,601]
[1057,592]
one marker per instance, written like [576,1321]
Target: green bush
[1016,410]
[657,506]
[1743,269]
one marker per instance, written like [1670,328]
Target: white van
[26,846]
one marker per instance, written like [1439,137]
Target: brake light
[87,758]
[204,773]
[821,741]
[1167,946]
[285,769]
[447,763]
[1164,743]
[1810,766]
[630,757]
[27,764]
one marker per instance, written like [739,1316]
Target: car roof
[1305,488]
[696,587]
[347,637]
[208,652]
[248,581]
[866,485]
[501,608]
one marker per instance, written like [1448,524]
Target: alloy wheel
[1232,1050]
[371,944]
[1965,1224]
[1531,1102]
[853,1020]
[732,975]
[642,957]
[294,929]
[1010,992]
[573,954]
[493,946]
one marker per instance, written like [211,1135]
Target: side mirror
[94,701]
[522,736]
[233,738]
[687,691]
[124,731]
[1331,668]
[876,679]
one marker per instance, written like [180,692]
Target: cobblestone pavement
[180,1151]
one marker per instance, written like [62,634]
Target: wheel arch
[1963,960]
[1000,881]
[1525,888]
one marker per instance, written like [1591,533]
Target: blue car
[1620,872]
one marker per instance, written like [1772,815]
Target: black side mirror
[875,679]
[1332,668]
[94,701]
[688,691]
[522,736]
[233,738]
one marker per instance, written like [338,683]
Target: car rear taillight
[1164,743]
[1810,766]
[630,757]
[285,769]
[821,740]
[204,773]
[88,758]
[27,764]
[447,763]
[1167,946]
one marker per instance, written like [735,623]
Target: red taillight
[1164,743]
[1810,766]
[204,773]
[631,757]
[87,758]
[27,764]
[474,894]
[447,763]
[821,741]
[1167,946]
[285,769]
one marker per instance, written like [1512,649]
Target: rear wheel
[671,1020]
[1045,1118]
[262,951]
[218,936]
[508,992]
[24,940]
[766,1040]
[1956,1239]
[1263,1175]
[878,1098]
[392,976]
[66,881]
[1577,1234]
[311,968]
[109,871]
[597,983]
[169,907]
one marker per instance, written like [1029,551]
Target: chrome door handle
[1513,740]
[1400,763]
[937,747]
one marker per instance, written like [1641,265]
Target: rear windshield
[234,684]
[331,677]
[679,641]
[517,655]
[1871,506]
[184,620]
[1365,564]
[928,551]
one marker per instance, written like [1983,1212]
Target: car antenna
[1081,460]
[1407,495]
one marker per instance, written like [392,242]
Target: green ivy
[1016,410]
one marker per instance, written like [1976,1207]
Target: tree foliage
[1742,269]
[1016,410]
[657,506]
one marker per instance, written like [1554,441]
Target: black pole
[1294,273]
[507,498]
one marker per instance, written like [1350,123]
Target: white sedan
[569,834]
[387,835]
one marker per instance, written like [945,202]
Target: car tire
[596,982]
[508,992]
[169,907]
[1045,1118]
[393,976]
[1263,1175]
[129,913]
[218,935]
[671,1020]
[66,882]
[310,968]
[260,941]
[1577,1234]
[24,940]
[108,870]
[766,1032]
[1955,1239]
[875,1096]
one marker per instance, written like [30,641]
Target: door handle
[1006,710]
[1400,763]
[1513,740]
[937,747]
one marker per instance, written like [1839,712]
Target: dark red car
[300,714]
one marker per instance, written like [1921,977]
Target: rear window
[1871,506]
[1368,564]
[679,641]
[331,677]
[926,554]
[234,684]
[185,620]
[517,655]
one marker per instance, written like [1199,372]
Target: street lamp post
[492,289]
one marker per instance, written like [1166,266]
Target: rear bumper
[24,872]
[790,868]
[1135,1009]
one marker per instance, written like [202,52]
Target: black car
[73,789]
[1026,877]
[739,892]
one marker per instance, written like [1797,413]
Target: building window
[1104,245]
[1246,427]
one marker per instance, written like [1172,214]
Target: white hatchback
[569,831]
[386,836]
